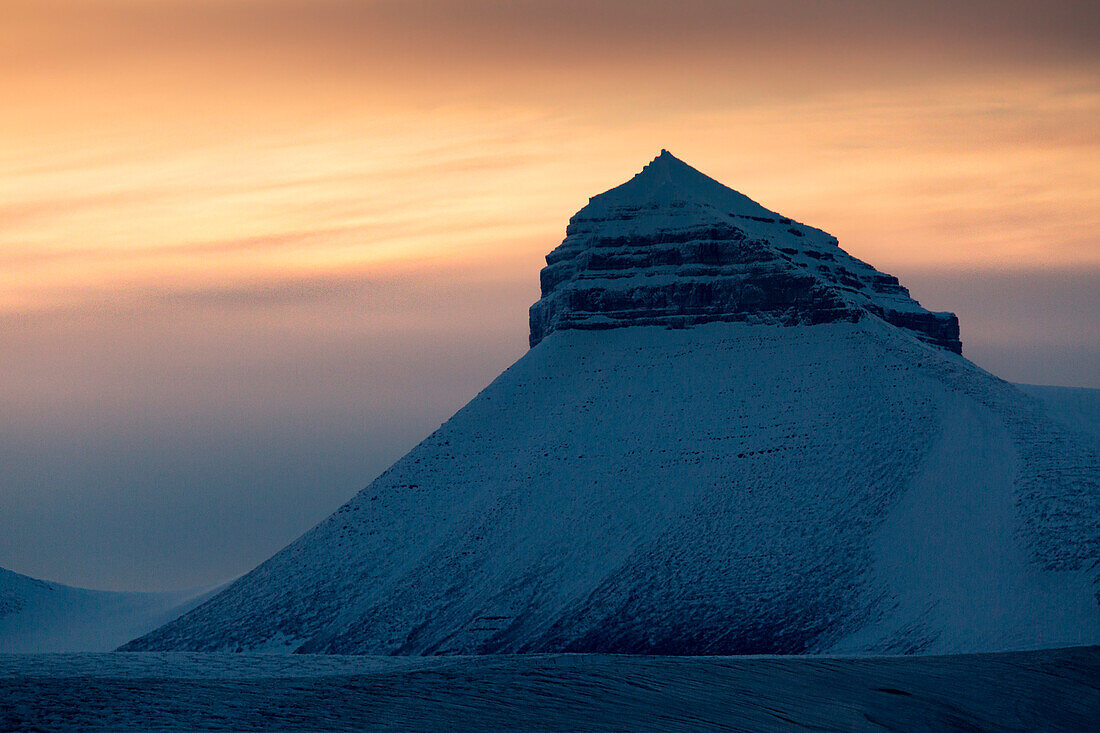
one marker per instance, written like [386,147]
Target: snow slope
[728,470]
[38,616]
[719,489]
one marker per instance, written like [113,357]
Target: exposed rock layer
[675,248]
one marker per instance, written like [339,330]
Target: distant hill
[39,616]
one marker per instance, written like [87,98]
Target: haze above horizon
[253,251]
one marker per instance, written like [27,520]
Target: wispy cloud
[316,225]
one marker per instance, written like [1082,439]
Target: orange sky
[319,223]
[188,145]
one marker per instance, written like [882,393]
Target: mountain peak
[666,169]
[668,180]
[673,247]
[667,166]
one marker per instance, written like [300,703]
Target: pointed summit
[673,247]
[668,180]
[667,168]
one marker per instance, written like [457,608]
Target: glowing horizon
[311,229]
[241,141]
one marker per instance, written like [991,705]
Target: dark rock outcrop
[674,248]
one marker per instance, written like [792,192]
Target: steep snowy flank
[673,247]
[745,455]
[38,616]
[720,489]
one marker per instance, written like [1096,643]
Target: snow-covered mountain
[729,436]
[40,616]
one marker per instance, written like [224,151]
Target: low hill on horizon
[38,616]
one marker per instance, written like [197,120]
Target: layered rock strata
[673,247]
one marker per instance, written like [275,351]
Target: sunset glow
[193,145]
[185,186]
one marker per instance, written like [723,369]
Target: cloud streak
[252,250]
[563,32]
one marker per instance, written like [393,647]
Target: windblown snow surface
[39,616]
[1020,691]
[729,437]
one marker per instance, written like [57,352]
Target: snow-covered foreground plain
[1045,690]
[40,616]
